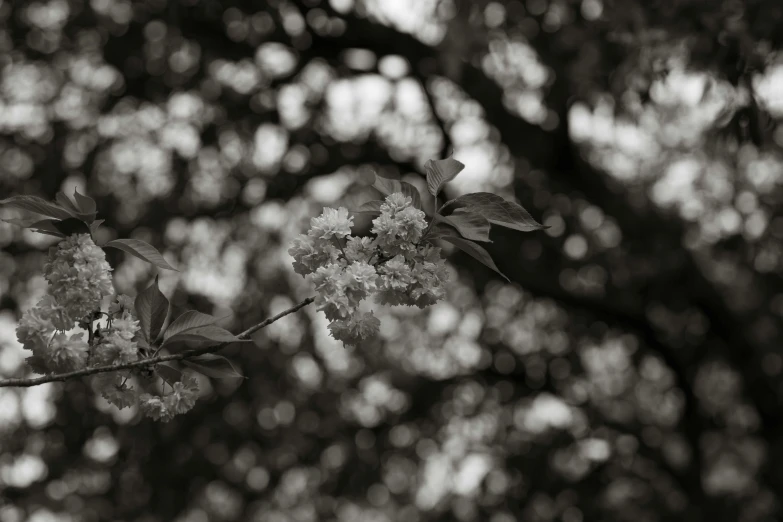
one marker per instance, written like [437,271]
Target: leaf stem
[340,245]
[152,360]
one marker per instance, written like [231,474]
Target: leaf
[140,341]
[86,204]
[53,227]
[71,226]
[498,211]
[441,229]
[188,321]
[215,366]
[66,203]
[37,205]
[152,307]
[24,223]
[440,172]
[46,226]
[389,186]
[373,207]
[84,208]
[475,251]
[168,373]
[47,233]
[95,224]
[142,250]
[470,224]
[206,335]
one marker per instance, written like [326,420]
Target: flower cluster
[78,275]
[116,344]
[79,279]
[396,265]
[181,400]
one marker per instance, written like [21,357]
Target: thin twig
[339,244]
[186,354]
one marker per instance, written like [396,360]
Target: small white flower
[360,249]
[66,354]
[395,274]
[310,254]
[79,275]
[356,329]
[183,396]
[396,202]
[120,303]
[399,226]
[154,407]
[359,280]
[115,389]
[331,299]
[333,223]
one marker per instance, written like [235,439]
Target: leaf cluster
[152,310]
[77,216]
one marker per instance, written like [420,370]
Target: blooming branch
[400,266]
[152,360]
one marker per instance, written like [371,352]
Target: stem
[186,354]
[90,338]
[340,246]
[432,221]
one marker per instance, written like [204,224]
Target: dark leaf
[142,250]
[66,203]
[440,172]
[470,224]
[168,373]
[441,229]
[497,210]
[188,321]
[215,366]
[86,204]
[47,233]
[152,307]
[475,251]
[37,205]
[71,226]
[206,335]
[389,186]
[141,342]
[46,226]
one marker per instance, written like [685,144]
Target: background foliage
[630,370]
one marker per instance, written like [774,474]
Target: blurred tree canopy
[598,385]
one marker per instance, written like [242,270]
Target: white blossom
[399,226]
[154,407]
[66,353]
[115,389]
[356,329]
[332,223]
[116,344]
[121,303]
[360,249]
[78,275]
[309,254]
[182,397]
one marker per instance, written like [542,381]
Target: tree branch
[152,360]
